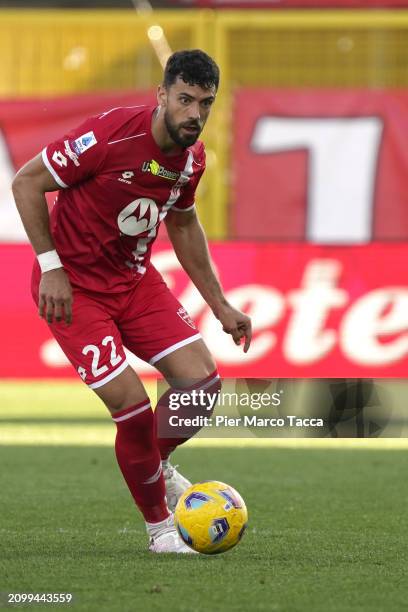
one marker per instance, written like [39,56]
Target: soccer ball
[211,517]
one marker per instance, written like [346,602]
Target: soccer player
[119,175]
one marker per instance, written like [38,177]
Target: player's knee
[122,392]
[187,365]
[205,366]
[123,399]
[122,403]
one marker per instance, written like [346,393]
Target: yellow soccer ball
[211,517]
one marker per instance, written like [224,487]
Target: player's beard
[175,131]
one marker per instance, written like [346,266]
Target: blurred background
[305,195]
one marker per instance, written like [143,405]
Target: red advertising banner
[327,166]
[310,167]
[316,311]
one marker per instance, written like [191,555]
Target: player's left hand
[236,323]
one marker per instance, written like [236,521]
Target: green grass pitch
[327,526]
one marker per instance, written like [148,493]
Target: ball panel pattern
[211,517]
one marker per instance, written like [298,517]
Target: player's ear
[162,96]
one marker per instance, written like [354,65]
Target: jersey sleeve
[186,200]
[77,155]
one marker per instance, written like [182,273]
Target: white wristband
[49,261]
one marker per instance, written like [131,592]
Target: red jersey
[117,187]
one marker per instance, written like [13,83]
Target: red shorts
[148,320]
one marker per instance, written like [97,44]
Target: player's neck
[161,135]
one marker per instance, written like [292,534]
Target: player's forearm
[32,207]
[191,248]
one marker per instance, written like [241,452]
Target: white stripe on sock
[155,476]
[131,414]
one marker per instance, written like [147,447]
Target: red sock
[139,460]
[211,384]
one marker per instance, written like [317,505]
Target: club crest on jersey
[155,168]
[83,143]
[183,314]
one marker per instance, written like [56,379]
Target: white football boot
[176,484]
[164,538]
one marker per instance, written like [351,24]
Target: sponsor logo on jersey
[83,143]
[138,217]
[183,314]
[60,159]
[155,168]
[128,174]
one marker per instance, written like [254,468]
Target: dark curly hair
[195,68]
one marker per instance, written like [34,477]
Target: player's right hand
[55,296]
